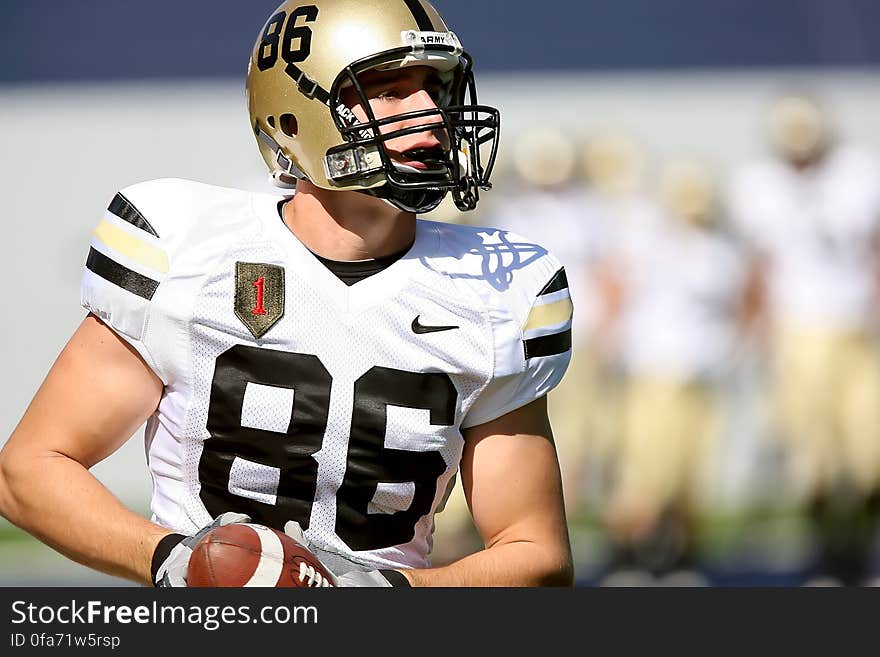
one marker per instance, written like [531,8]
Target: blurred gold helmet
[687,190]
[545,157]
[310,50]
[798,128]
[613,163]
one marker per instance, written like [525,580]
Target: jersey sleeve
[532,332]
[126,264]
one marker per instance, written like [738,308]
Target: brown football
[246,554]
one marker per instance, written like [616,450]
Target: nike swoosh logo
[420,329]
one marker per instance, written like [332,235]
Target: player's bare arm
[512,483]
[94,398]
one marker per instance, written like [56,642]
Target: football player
[318,360]
[619,211]
[685,293]
[811,216]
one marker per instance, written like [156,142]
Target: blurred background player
[811,215]
[619,211]
[683,291]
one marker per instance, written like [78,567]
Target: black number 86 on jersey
[289,472]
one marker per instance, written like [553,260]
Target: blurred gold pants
[668,429]
[576,411]
[827,399]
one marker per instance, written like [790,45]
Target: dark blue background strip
[56,40]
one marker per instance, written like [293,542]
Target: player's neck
[347,225]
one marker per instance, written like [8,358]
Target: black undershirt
[350,272]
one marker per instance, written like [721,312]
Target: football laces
[311,577]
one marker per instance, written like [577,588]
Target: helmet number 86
[296,43]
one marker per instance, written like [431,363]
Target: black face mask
[460,170]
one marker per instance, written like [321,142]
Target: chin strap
[290,169]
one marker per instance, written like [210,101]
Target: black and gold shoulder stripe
[121,276]
[547,330]
[558,282]
[122,239]
[122,208]
[548,345]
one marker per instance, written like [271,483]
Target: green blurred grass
[756,538]
[12,535]
[720,534]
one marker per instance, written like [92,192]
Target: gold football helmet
[309,51]
[688,191]
[613,163]
[799,128]
[545,157]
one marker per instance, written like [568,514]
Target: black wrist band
[163,549]
[396,578]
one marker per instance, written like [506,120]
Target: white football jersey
[683,288]
[819,229]
[292,396]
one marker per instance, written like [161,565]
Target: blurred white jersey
[621,224]
[292,396]
[819,230]
[682,287]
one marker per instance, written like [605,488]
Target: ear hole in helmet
[288,125]
[271,121]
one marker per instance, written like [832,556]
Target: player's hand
[293,529]
[372,578]
[173,558]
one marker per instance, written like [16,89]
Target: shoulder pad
[525,292]
[508,271]
[127,261]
